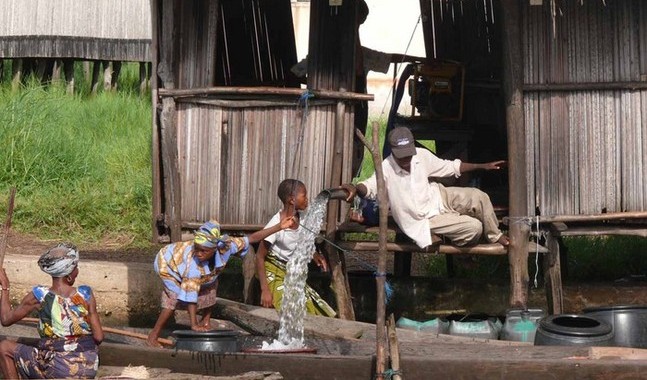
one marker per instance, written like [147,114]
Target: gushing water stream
[293,304]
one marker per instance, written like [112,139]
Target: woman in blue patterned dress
[189,271]
[69,325]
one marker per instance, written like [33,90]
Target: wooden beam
[603,231]
[336,258]
[7,225]
[279,91]
[155,138]
[593,217]
[493,249]
[585,86]
[553,276]
[517,177]
[380,277]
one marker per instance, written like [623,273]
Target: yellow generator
[436,90]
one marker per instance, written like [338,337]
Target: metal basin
[217,341]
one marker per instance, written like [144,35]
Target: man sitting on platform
[420,207]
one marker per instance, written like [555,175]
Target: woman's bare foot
[504,241]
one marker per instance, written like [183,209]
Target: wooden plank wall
[587,149]
[76,29]
[233,158]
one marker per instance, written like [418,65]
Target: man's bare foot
[152,342]
[504,241]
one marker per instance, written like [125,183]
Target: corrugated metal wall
[586,148]
[233,158]
[76,29]
[234,150]
[122,19]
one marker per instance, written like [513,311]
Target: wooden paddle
[7,226]
[131,334]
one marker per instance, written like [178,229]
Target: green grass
[80,164]
[606,258]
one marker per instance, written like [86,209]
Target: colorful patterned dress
[67,348]
[190,280]
[283,245]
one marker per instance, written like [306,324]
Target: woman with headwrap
[189,271]
[69,325]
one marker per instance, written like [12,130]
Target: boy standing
[275,251]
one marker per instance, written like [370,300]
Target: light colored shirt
[412,199]
[284,242]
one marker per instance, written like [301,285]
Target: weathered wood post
[116,70]
[517,178]
[16,74]
[335,257]
[7,225]
[334,32]
[94,82]
[380,277]
[143,78]
[168,43]
[68,72]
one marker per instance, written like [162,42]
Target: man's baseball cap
[401,142]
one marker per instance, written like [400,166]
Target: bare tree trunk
[380,278]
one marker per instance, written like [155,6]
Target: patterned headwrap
[208,235]
[59,261]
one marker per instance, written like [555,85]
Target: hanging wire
[302,103]
[399,66]
[388,288]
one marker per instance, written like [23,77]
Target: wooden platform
[359,238]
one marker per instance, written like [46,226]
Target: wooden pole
[112,330]
[7,225]
[380,277]
[342,291]
[320,94]
[517,177]
[394,350]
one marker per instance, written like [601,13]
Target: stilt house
[556,87]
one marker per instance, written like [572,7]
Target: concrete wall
[126,293]
[389,27]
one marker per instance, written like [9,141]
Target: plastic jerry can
[521,325]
